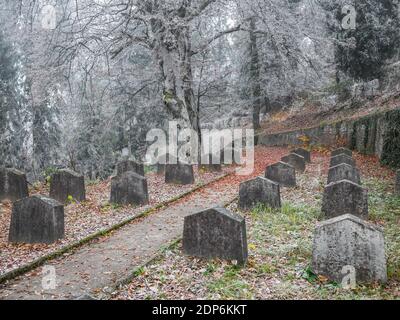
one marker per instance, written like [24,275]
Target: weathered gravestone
[397,186]
[180,174]
[348,243]
[13,185]
[215,233]
[345,197]
[304,153]
[295,160]
[129,189]
[67,183]
[342,158]
[282,173]
[340,151]
[344,172]
[259,191]
[130,165]
[37,219]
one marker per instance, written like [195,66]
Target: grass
[280,251]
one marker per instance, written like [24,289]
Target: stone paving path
[103,262]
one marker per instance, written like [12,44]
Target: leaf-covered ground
[85,218]
[280,246]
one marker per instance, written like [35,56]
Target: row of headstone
[344,193]
[346,247]
[40,219]
[218,233]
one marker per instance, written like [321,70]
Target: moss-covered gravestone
[348,244]
[295,160]
[259,191]
[344,172]
[345,197]
[340,151]
[215,233]
[129,189]
[37,219]
[13,185]
[304,153]
[342,158]
[282,173]
[130,165]
[65,184]
[180,174]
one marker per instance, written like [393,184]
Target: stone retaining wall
[375,134]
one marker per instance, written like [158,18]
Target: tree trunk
[255,75]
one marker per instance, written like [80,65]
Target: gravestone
[295,160]
[348,241]
[340,151]
[130,165]
[210,166]
[160,168]
[345,197]
[215,233]
[344,172]
[13,185]
[259,191]
[304,153]
[180,174]
[282,173]
[129,189]
[397,186]
[342,158]
[37,219]
[67,183]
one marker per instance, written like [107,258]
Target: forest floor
[279,243]
[88,217]
[97,267]
[280,247]
[311,116]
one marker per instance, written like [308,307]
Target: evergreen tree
[361,53]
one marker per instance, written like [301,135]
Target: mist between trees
[81,81]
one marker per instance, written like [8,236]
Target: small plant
[70,199]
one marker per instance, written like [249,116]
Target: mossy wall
[377,134]
[391,144]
